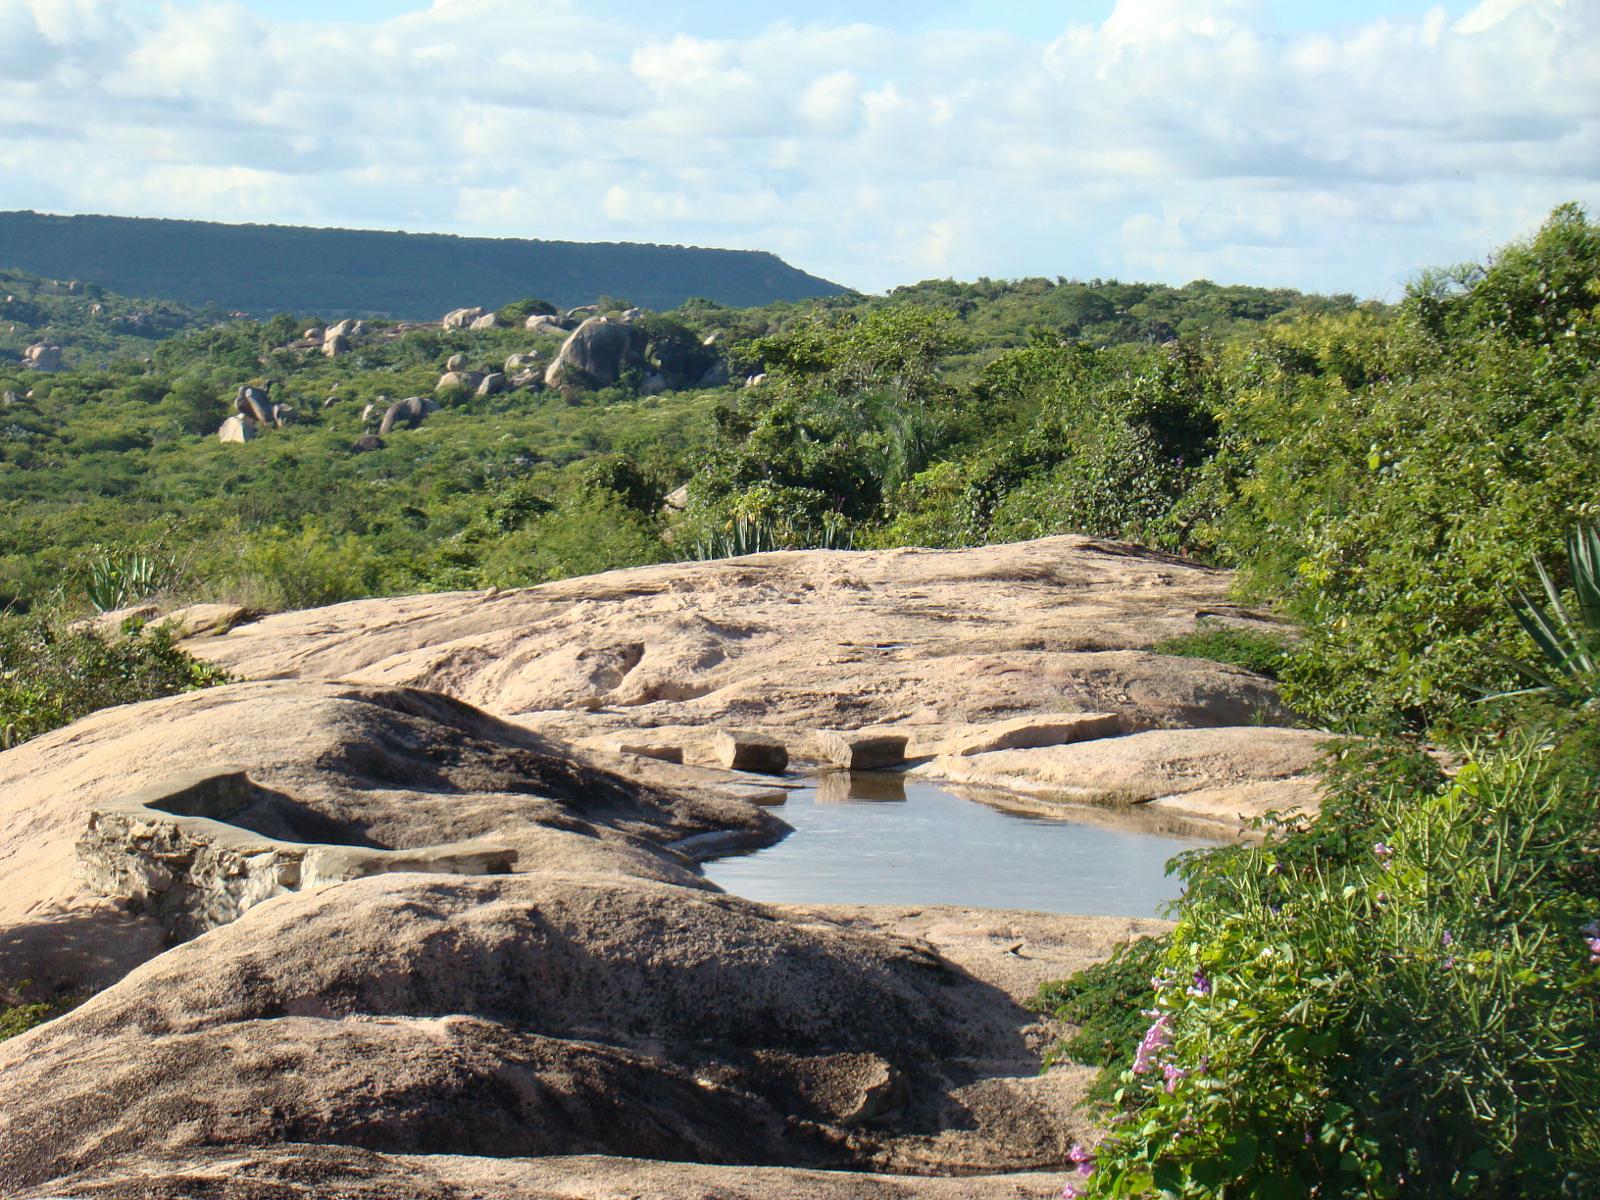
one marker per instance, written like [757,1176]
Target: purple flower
[1384,853]
[1448,939]
[1594,949]
[1172,1074]
[1156,1039]
[1449,962]
[1201,985]
[1083,1160]
[1070,1191]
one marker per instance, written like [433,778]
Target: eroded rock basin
[878,838]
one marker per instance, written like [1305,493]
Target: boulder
[677,499]
[411,411]
[531,379]
[350,328]
[462,318]
[456,362]
[493,384]
[653,384]
[282,414]
[466,380]
[596,352]
[314,334]
[859,751]
[750,752]
[543,324]
[582,311]
[335,344]
[517,362]
[487,321]
[42,356]
[756,380]
[254,403]
[203,620]
[236,429]
[631,315]
[329,403]
[367,442]
[10,398]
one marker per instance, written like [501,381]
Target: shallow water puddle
[879,839]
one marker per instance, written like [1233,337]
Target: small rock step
[750,752]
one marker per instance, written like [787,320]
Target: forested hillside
[1326,448]
[85,321]
[267,269]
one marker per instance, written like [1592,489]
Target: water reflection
[861,787]
[877,838]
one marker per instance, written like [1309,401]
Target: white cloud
[1176,138]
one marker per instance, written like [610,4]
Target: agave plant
[118,582]
[1568,638]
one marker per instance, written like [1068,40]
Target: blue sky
[1324,146]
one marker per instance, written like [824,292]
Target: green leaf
[1242,1152]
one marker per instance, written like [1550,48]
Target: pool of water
[878,839]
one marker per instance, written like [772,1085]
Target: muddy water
[878,839]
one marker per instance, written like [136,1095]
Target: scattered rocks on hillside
[412,411]
[492,385]
[756,380]
[456,362]
[335,345]
[351,328]
[462,318]
[544,324]
[42,356]
[596,353]
[487,321]
[366,443]
[517,362]
[582,311]
[630,315]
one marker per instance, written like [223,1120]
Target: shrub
[1252,649]
[1416,1017]
[52,672]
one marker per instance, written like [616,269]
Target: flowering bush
[1418,1016]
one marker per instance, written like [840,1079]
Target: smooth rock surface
[966,652]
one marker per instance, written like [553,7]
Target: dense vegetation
[274,268]
[1401,998]
[90,324]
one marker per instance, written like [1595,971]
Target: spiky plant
[1567,637]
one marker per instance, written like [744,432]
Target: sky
[1327,146]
